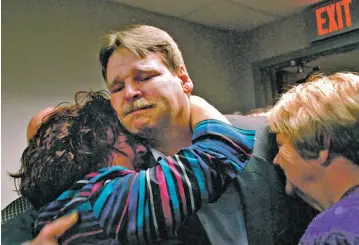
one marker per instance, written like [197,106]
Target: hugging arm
[148,206]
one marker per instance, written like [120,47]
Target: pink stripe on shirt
[164,197]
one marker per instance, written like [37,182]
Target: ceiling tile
[228,15]
[168,7]
[276,7]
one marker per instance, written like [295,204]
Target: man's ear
[323,157]
[186,81]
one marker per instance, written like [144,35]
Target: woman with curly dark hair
[72,141]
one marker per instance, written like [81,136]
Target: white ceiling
[239,15]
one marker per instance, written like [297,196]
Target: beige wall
[274,39]
[49,51]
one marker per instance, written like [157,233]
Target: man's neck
[171,140]
[341,176]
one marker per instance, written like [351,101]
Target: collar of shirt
[157,154]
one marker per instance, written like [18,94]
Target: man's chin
[310,200]
[141,126]
[142,123]
[135,123]
[289,189]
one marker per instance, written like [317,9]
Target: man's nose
[132,93]
[275,160]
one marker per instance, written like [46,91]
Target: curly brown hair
[73,141]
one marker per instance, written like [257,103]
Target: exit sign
[331,18]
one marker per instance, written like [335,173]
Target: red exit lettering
[331,18]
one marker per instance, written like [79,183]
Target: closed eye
[116,89]
[145,75]
[145,78]
[121,152]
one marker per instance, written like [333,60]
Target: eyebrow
[110,85]
[144,68]
[138,68]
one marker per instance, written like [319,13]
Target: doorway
[299,70]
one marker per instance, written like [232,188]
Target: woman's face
[128,154]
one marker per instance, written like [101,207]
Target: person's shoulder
[342,215]
[19,229]
[15,208]
[265,145]
[333,238]
[247,122]
[213,126]
[338,223]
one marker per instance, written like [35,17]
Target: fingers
[58,227]
[50,233]
[41,242]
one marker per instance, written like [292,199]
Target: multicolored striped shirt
[120,206]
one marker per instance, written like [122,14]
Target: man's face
[301,175]
[128,155]
[145,93]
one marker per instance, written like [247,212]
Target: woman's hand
[50,232]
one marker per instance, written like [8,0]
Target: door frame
[264,71]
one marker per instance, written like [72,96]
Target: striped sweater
[120,206]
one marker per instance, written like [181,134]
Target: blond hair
[142,40]
[317,112]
